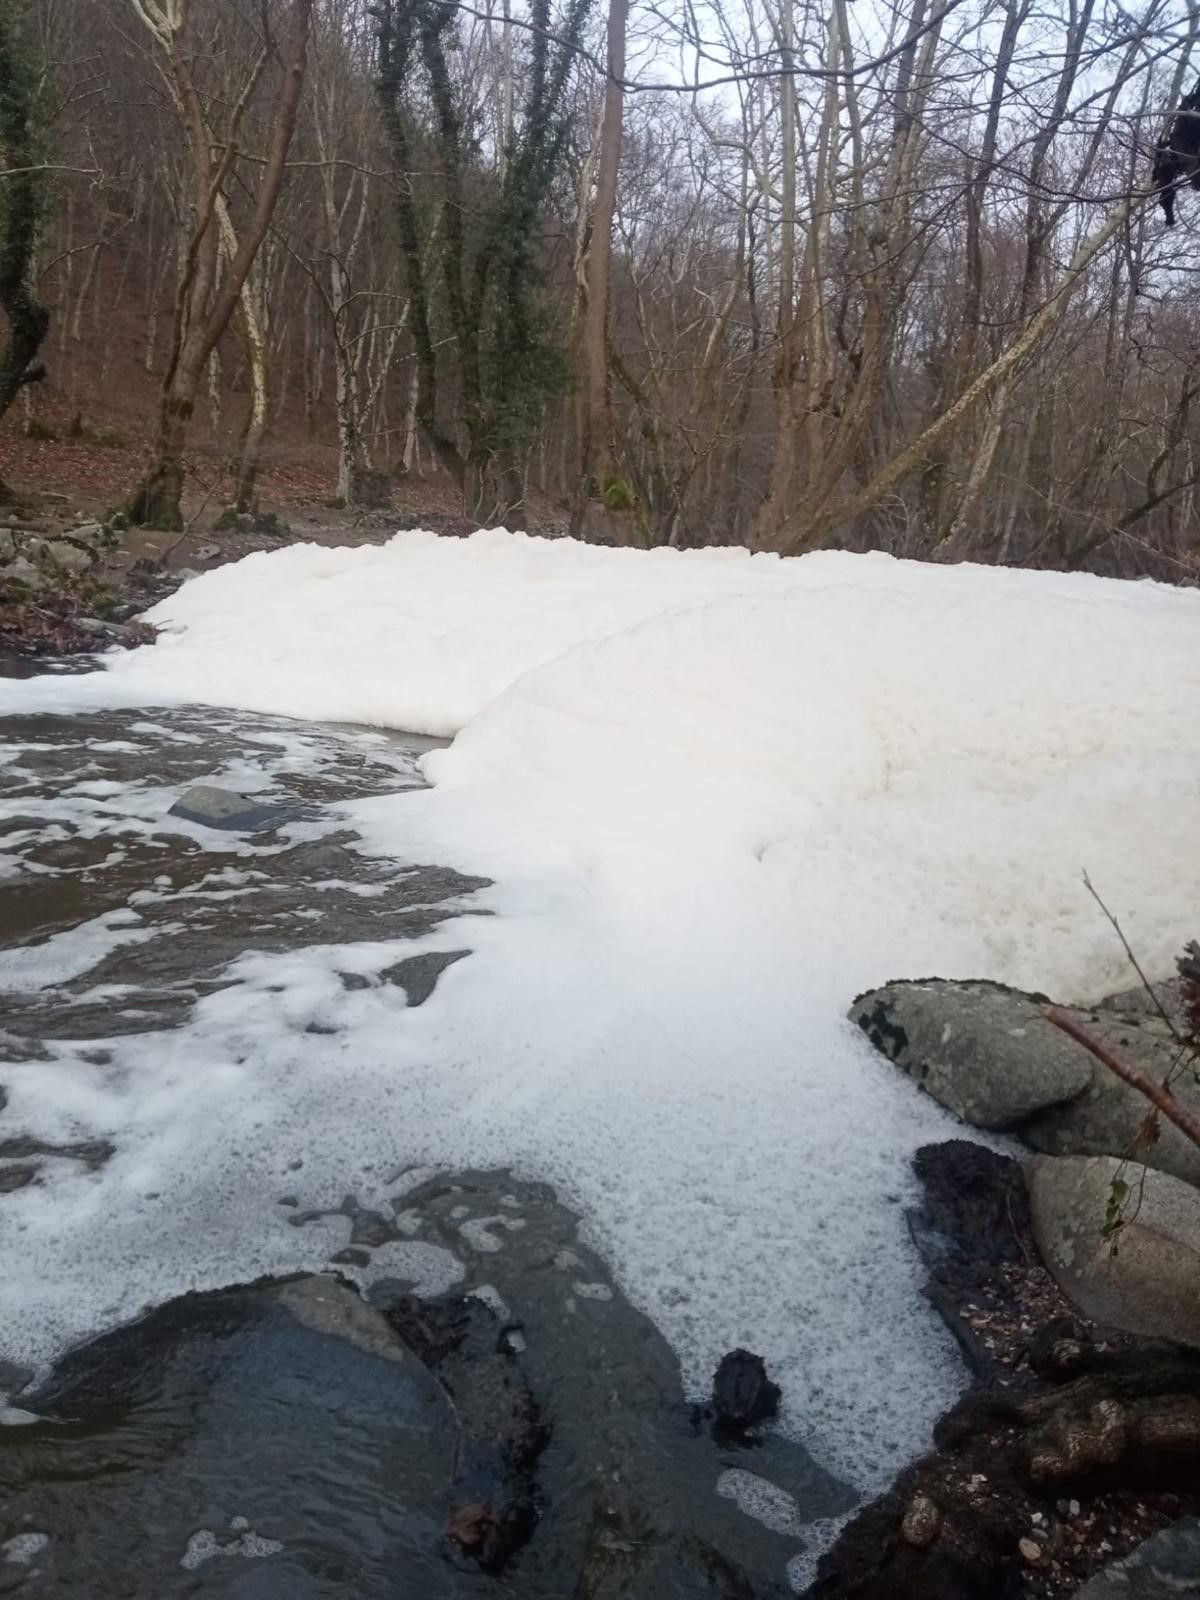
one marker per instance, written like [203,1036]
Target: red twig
[1157,1093]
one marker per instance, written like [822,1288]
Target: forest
[787,274]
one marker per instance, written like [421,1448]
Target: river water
[282,1440]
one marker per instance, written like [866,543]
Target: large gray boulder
[1151,1284]
[1109,1117]
[984,1051]
[988,1054]
[1164,1567]
[1142,1002]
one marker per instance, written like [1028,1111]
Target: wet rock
[92,1152]
[1084,1455]
[742,1394]
[1069,1429]
[491,1511]
[921,1522]
[1162,1568]
[16,1177]
[625,1501]
[221,808]
[985,1052]
[971,1226]
[280,1422]
[327,1305]
[1150,1285]
[418,975]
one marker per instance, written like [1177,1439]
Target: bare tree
[211,285]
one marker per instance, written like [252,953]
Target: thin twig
[1146,984]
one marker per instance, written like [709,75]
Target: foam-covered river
[283,1438]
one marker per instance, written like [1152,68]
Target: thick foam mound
[718,795]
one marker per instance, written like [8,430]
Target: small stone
[220,808]
[1030,1551]
[921,1522]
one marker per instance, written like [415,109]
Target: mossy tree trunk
[604,507]
[22,204]
[509,366]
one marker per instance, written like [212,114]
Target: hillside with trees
[791,276]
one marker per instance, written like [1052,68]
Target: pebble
[1030,1551]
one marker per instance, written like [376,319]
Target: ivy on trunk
[23,185]
[509,363]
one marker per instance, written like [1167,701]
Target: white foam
[74,951]
[204,1545]
[23,1547]
[718,796]
[766,1502]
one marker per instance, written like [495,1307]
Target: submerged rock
[500,1432]
[294,1439]
[221,808]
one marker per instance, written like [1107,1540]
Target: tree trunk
[158,502]
[604,508]
[772,510]
[20,220]
[201,316]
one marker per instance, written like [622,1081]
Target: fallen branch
[1157,1093]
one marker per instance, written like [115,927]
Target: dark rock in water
[221,808]
[92,1152]
[418,975]
[972,1223]
[13,1377]
[293,1441]
[264,1442]
[491,1511]
[742,1394]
